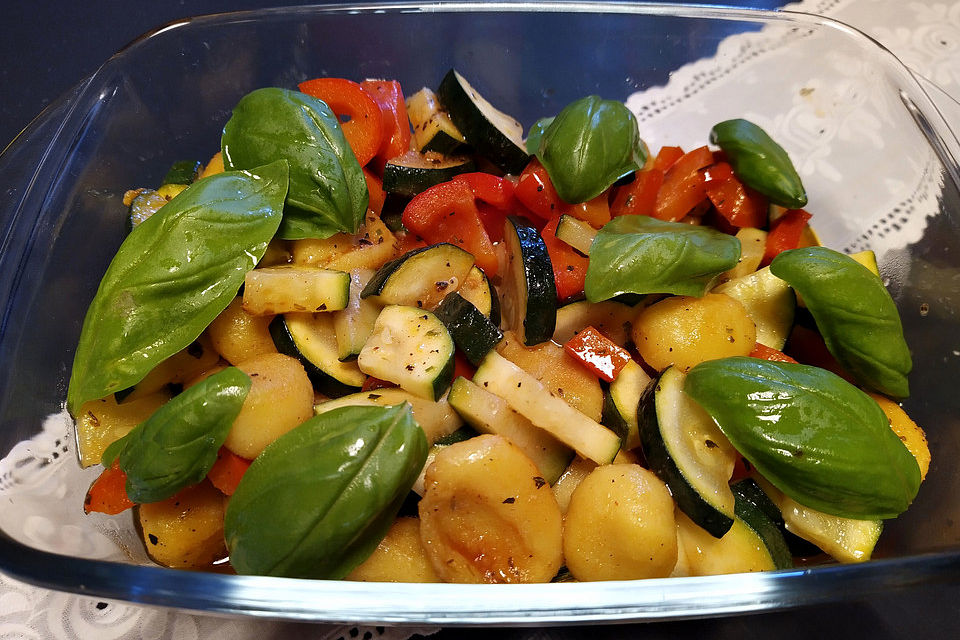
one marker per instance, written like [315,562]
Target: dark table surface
[49,45]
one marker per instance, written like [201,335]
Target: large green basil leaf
[328,193]
[760,162]
[590,145]
[173,275]
[178,444]
[819,439]
[639,254]
[855,314]
[319,499]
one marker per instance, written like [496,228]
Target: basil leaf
[855,315]
[639,254]
[816,437]
[178,444]
[328,193]
[759,162]
[590,145]
[173,275]
[536,134]
[320,498]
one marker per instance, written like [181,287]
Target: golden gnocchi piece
[684,331]
[238,335]
[185,531]
[280,398]
[488,517]
[620,526]
[398,558]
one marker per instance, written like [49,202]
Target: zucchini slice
[353,324]
[420,278]
[481,293]
[531,399]
[295,289]
[413,172]
[769,301]
[576,233]
[495,135]
[310,338]
[621,402]
[755,509]
[740,550]
[529,294]
[433,130]
[844,539]
[489,413]
[147,202]
[688,452]
[611,318]
[437,419]
[410,347]
[472,332]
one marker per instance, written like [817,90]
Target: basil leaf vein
[855,314]
[819,439]
[320,498]
[178,444]
[173,275]
[639,254]
[328,192]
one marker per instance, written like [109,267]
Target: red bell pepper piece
[666,158]
[535,191]
[487,187]
[462,366]
[372,383]
[598,353]
[764,352]
[375,188]
[683,186]
[569,265]
[740,205]
[494,199]
[785,233]
[395,125]
[226,472]
[359,114]
[640,196]
[595,212]
[108,493]
[741,469]
[447,212]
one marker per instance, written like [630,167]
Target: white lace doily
[41,475]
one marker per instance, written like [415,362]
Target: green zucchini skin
[535,293]
[473,333]
[413,173]
[321,380]
[758,512]
[418,277]
[663,464]
[493,134]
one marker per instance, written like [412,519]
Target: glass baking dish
[876,156]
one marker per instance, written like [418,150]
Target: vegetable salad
[399,337]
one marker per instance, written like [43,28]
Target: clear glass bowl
[876,157]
